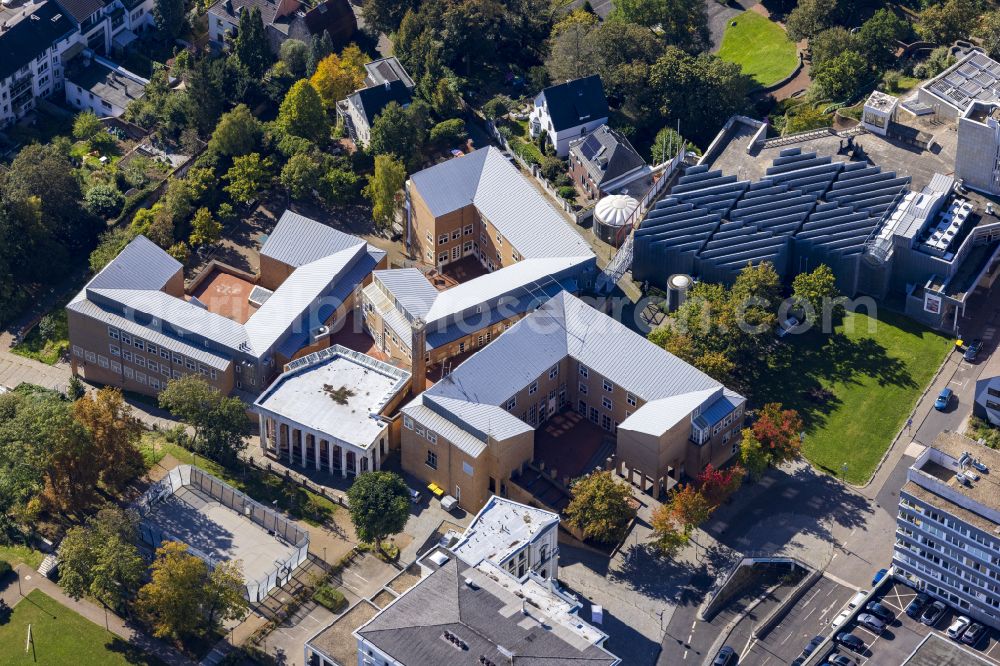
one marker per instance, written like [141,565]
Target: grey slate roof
[387,69]
[410,629]
[606,154]
[117,87]
[575,102]
[473,394]
[80,10]
[522,214]
[30,36]
[230,9]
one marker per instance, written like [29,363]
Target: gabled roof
[141,266]
[576,102]
[606,154]
[472,396]
[80,10]
[387,69]
[522,214]
[374,99]
[28,37]
[230,9]
[298,240]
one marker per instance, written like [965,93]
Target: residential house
[491,599]
[102,87]
[33,39]
[568,111]
[106,25]
[948,528]
[135,326]
[475,429]
[362,107]
[604,162]
[285,19]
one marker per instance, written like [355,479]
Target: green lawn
[15,555]
[62,637]
[874,379]
[262,486]
[760,47]
[48,341]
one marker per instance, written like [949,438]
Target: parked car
[943,399]
[414,495]
[932,614]
[726,656]
[958,626]
[851,642]
[813,644]
[869,621]
[856,600]
[787,325]
[842,618]
[879,575]
[972,351]
[879,611]
[798,661]
[973,633]
[917,604]
[841,660]
[979,465]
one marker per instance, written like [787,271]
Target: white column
[263,433]
[316,449]
[302,446]
[329,455]
[343,461]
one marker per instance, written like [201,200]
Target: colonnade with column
[304,447]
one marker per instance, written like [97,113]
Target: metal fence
[273,522]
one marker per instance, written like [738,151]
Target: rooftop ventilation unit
[963,479]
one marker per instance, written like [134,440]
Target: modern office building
[948,528]
[478,426]
[977,160]
[134,325]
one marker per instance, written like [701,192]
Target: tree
[102,559]
[301,114]
[206,85]
[497,107]
[385,15]
[806,117]
[86,125]
[114,431]
[250,46]
[842,77]
[205,230]
[448,133]
[878,35]
[337,76]
[180,251]
[815,291]
[667,144]
[320,46]
[988,33]
[828,44]
[600,506]
[810,17]
[219,422]
[445,99]
[237,133]
[183,598]
[301,175]
[779,432]
[394,132]
[753,457]
[248,176]
[295,54]
[104,200]
[169,17]
[668,537]
[689,508]
[718,485]
[383,190]
[379,505]
[947,21]
[682,23]
[113,241]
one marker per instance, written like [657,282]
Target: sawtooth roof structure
[466,406]
[489,182]
[806,210]
[128,293]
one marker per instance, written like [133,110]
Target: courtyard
[760,47]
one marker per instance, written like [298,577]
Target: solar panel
[590,147]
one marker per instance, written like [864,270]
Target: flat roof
[974,78]
[500,529]
[934,650]
[336,391]
[114,85]
[337,641]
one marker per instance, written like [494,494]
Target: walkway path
[31,580]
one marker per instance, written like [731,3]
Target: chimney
[418,352]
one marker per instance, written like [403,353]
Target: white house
[99,85]
[567,111]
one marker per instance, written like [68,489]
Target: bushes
[526,151]
[327,596]
[5,568]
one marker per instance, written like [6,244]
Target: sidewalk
[31,580]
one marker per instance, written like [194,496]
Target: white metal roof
[523,215]
[500,529]
[298,240]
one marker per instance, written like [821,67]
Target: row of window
[155,350]
[117,368]
[455,234]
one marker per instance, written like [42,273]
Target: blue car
[879,575]
[944,397]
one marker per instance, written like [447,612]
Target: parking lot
[809,617]
[903,634]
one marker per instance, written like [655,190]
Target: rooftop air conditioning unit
[319,332]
